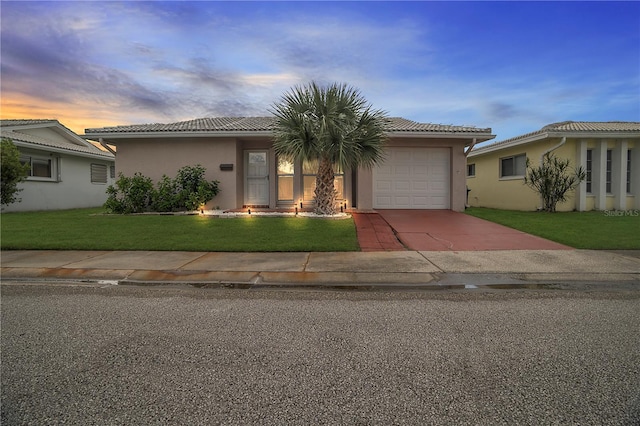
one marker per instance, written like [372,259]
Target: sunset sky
[511,66]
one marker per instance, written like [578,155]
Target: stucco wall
[157,157]
[74,190]
[489,190]
[166,156]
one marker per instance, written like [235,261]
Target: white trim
[113,137]
[47,148]
[497,146]
[247,153]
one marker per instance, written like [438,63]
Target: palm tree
[332,125]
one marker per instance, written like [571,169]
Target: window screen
[98,173]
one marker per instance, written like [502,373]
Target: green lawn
[586,230]
[88,229]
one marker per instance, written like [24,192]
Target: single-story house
[423,168]
[65,170]
[609,152]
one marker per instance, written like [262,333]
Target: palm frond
[333,123]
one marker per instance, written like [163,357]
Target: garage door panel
[383,185]
[419,185]
[439,155]
[401,157]
[402,185]
[413,178]
[419,155]
[420,202]
[438,186]
[419,171]
[383,201]
[402,171]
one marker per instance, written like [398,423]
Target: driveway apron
[442,230]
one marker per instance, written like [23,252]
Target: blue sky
[511,66]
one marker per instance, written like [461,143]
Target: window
[609,173]
[309,171]
[98,173]
[112,172]
[285,180]
[39,167]
[628,171]
[513,166]
[471,170]
[589,170]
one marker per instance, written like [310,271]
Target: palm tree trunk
[325,191]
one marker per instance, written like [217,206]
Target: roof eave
[23,144]
[479,136]
[114,136]
[498,146]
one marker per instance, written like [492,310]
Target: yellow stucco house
[608,151]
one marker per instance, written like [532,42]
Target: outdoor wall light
[226,167]
[300,202]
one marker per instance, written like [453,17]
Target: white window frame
[280,174]
[514,175]
[609,172]
[27,157]
[629,185]
[589,172]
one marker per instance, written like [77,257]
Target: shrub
[192,189]
[130,194]
[553,179]
[13,172]
[165,197]
[188,191]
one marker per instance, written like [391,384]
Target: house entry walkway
[440,230]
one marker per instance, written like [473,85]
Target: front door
[256,178]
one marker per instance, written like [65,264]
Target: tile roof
[264,124]
[25,122]
[566,128]
[18,136]
[593,126]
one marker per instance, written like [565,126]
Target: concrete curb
[351,281]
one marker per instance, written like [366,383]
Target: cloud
[175,60]
[169,61]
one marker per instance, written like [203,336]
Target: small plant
[13,172]
[130,194]
[553,180]
[192,189]
[164,198]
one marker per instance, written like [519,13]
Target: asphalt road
[88,355]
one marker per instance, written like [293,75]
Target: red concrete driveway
[439,230]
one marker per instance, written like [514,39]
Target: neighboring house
[66,171]
[608,151]
[424,166]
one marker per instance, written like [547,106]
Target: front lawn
[88,229]
[595,230]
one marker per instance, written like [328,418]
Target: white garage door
[413,178]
